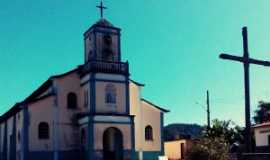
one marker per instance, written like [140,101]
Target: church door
[112,144]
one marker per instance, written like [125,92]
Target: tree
[262,114]
[198,152]
[209,149]
[217,141]
[232,133]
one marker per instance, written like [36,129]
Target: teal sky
[172,47]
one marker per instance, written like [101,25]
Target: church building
[93,112]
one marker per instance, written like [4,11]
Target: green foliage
[216,141]
[197,152]
[226,129]
[262,114]
[209,149]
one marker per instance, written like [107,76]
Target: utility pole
[208,110]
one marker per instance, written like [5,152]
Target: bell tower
[106,78]
[102,40]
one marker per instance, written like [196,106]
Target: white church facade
[93,112]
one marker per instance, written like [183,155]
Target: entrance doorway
[112,144]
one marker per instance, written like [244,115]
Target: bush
[209,149]
[197,153]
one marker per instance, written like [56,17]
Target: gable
[153,106]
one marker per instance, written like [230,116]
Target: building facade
[262,137]
[177,149]
[93,112]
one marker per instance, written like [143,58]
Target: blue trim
[93,121]
[48,155]
[149,155]
[114,81]
[113,122]
[104,80]
[25,133]
[132,139]
[90,119]
[127,154]
[96,155]
[161,132]
[92,94]
[41,155]
[127,96]
[91,139]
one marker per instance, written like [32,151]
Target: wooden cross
[246,62]
[101,7]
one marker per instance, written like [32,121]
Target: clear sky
[172,47]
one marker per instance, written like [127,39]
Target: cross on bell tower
[102,40]
[101,7]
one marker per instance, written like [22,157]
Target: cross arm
[241,59]
[259,62]
[230,57]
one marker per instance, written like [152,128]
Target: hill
[178,131]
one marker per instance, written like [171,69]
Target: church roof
[261,125]
[152,104]
[48,83]
[137,83]
[102,22]
[32,97]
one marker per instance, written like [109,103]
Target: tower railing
[106,67]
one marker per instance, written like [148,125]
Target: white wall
[145,114]
[261,136]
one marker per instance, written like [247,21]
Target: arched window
[71,100]
[148,133]
[43,130]
[110,94]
